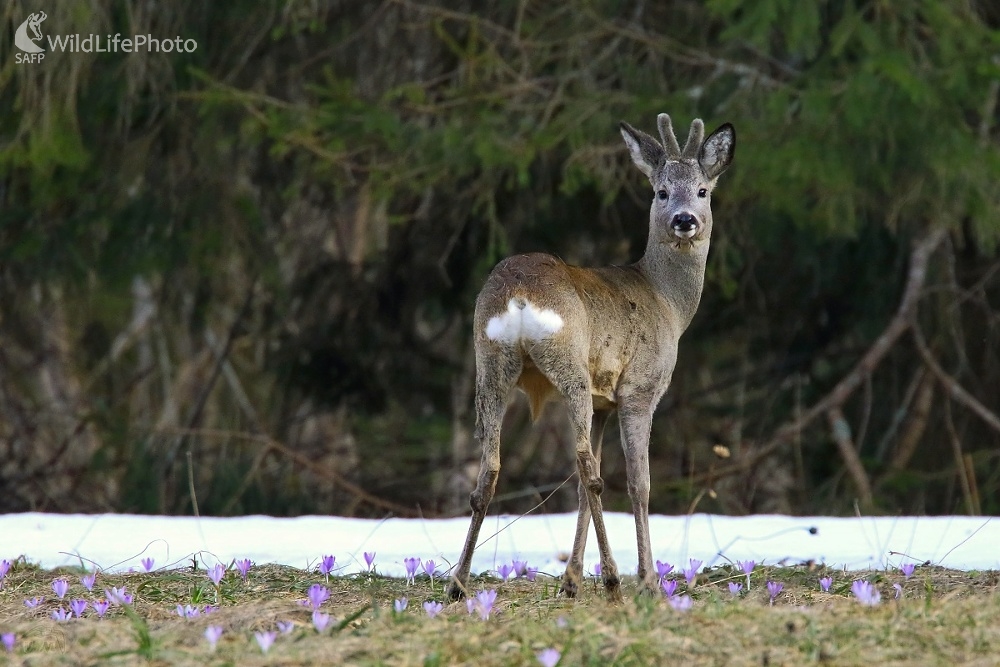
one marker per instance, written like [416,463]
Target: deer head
[682,180]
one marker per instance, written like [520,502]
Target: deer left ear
[717,152]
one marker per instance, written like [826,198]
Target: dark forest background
[245,275]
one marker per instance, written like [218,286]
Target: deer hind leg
[497,370]
[574,569]
[570,376]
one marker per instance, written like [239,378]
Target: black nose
[684,222]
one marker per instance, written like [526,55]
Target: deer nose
[684,222]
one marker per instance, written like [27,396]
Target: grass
[944,617]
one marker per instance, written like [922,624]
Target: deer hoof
[613,588]
[456,591]
[570,586]
[648,588]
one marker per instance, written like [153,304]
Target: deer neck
[677,271]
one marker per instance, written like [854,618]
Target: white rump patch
[523,320]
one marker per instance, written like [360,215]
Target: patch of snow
[117,542]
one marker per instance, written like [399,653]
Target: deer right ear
[717,152]
[647,153]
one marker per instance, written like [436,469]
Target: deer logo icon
[25,41]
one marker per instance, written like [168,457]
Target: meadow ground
[942,617]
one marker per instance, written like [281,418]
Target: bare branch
[903,319]
[841,432]
[955,390]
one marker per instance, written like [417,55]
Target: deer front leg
[636,422]
[574,569]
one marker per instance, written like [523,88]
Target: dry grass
[944,617]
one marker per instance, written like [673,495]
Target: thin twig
[270,444]
[956,449]
[194,496]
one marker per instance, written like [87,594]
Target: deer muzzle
[684,225]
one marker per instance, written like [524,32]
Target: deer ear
[647,153]
[717,152]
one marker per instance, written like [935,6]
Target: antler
[695,138]
[670,146]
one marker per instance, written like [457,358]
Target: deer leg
[574,569]
[636,423]
[492,388]
[581,414]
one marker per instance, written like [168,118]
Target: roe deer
[604,339]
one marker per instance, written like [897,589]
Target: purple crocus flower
[735,589]
[549,657]
[907,569]
[147,564]
[433,608]
[78,606]
[265,639]
[326,565]
[691,571]
[411,564]
[243,567]
[320,620]
[212,634]
[484,603]
[117,595]
[681,602]
[4,568]
[747,566]
[370,560]
[8,640]
[187,611]
[866,593]
[663,568]
[597,569]
[773,589]
[216,572]
[429,567]
[31,603]
[61,614]
[505,571]
[101,607]
[60,587]
[208,609]
[400,605]
[470,605]
[899,591]
[285,627]
[669,586]
[530,573]
[825,584]
[318,594]
[519,567]
[88,581]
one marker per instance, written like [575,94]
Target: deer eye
[662,195]
[703,193]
